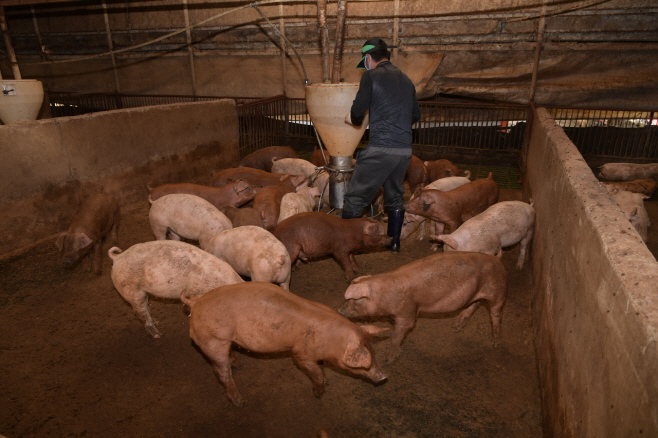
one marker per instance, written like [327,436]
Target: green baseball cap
[370,46]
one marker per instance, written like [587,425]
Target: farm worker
[390,97]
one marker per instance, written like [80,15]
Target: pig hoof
[239,403]
[153,332]
[434,247]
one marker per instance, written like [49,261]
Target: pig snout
[376,375]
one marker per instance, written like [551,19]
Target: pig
[439,283]
[440,169]
[455,206]
[644,186]
[234,194]
[165,268]
[413,221]
[317,158]
[262,158]
[499,226]
[254,252]
[264,318]
[268,203]
[186,216]
[294,166]
[254,177]
[96,217]
[416,175]
[316,234]
[628,171]
[632,205]
[240,217]
[304,200]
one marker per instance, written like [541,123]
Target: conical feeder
[328,104]
[20,100]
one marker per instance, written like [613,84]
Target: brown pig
[262,158]
[316,234]
[254,177]
[240,217]
[416,175]
[268,204]
[97,216]
[455,206]
[234,194]
[316,158]
[165,268]
[264,318]
[438,169]
[440,283]
[254,252]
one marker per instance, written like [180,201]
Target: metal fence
[483,128]
[611,134]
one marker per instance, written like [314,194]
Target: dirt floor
[76,362]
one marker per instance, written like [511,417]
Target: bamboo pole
[340,30]
[324,38]
[111,46]
[9,45]
[190,50]
[541,26]
[282,42]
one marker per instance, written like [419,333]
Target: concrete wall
[594,299]
[47,167]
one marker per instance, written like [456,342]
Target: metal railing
[611,134]
[75,104]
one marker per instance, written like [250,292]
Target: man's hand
[348,118]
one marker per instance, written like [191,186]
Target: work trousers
[373,170]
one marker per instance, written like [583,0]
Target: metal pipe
[338,50]
[8,44]
[324,38]
[284,74]
[110,45]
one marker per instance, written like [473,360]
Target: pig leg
[343,259]
[314,372]
[401,328]
[98,257]
[355,265]
[114,233]
[464,315]
[159,231]
[496,315]
[523,247]
[219,353]
[138,299]
[173,236]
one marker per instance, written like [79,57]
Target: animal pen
[538,93]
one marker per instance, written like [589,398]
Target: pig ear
[374,330]
[357,291]
[240,185]
[373,229]
[60,241]
[83,240]
[357,355]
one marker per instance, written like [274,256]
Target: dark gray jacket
[391,98]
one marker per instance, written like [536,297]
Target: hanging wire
[255,5]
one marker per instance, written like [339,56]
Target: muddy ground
[76,362]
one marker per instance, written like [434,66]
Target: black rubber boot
[348,215]
[395,221]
